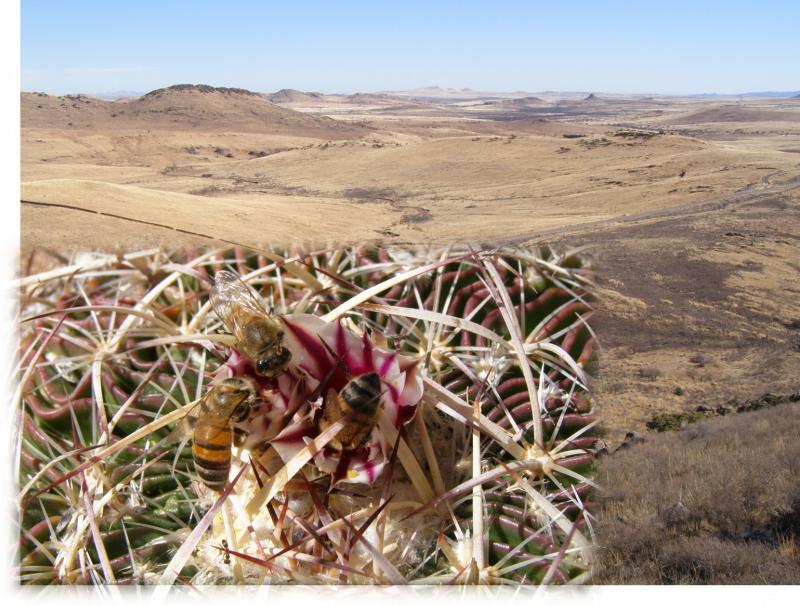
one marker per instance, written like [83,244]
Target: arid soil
[718,280]
[705,305]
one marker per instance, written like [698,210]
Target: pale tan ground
[405,171]
[410,180]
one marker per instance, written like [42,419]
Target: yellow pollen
[351,473]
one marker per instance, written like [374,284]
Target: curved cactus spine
[110,355]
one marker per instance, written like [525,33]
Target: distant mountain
[453,95]
[528,101]
[183,107]
[290,95]
[771,94]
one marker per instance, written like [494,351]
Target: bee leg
[239,436]
[253,401]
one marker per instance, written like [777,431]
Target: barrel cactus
[477,470]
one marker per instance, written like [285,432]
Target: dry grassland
[412,180]
[715,503]
[698,309]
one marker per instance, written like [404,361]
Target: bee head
[275,364]
[241,412]
[264,368]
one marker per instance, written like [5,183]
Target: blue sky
[345,47]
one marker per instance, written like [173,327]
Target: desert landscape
[689,204]
[685,210]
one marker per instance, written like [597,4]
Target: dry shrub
[733,475]
[673,421]
[708,560]
[373,193]
[211,191]
[650,372]
[698,359]
[681,560]
[616,388]
[790,549]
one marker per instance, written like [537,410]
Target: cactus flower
[291,413]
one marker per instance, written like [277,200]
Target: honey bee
[364,390]
[209,425]
[259,334]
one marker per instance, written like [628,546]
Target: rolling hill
[183,107]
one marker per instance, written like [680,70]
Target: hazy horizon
[680,48]
[126,92]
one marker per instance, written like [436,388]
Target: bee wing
[230,293]
[220,415]
[214,409]
[331,409]
[185,426]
